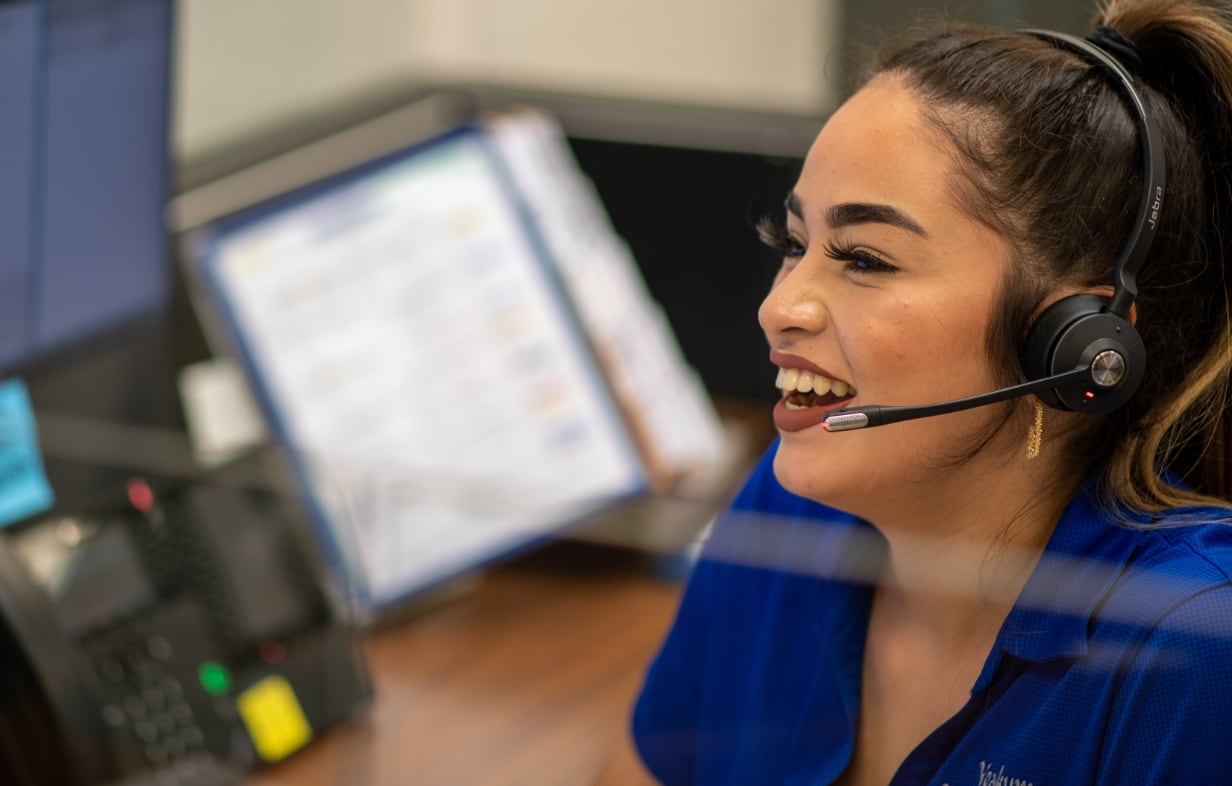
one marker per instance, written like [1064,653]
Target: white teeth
[793,380]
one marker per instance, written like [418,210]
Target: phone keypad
[148,705]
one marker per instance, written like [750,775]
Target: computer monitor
[85,271]
[85,170]
[413,349]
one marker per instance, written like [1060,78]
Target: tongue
[798,399]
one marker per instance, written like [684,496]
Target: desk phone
[183,636]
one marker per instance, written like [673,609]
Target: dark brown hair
[1049,156]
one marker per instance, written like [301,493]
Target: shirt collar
[1083,558]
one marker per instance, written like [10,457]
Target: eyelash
[776,237]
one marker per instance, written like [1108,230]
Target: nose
[794,304]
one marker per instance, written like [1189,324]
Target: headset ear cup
[1075,332]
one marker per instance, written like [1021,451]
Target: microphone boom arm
[863,417]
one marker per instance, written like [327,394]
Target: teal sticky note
[24,489]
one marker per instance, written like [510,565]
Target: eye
[859,260]
[775,236]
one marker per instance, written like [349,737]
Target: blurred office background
[245,69]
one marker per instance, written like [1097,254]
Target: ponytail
[1185,55]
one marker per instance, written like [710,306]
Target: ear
[1106,291]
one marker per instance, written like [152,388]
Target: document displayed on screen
[411,344]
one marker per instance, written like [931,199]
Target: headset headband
[1154,172]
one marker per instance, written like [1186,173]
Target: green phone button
[214,678]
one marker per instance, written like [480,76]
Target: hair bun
[1114,43]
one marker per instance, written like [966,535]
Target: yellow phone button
[274,718]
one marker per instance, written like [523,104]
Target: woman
[1016,593]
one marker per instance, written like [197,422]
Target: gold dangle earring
[1036,433]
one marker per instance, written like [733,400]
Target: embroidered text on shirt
[991,777]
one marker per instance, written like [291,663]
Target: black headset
[1088,330]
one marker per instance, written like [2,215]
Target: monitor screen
[411,344]
[84,157]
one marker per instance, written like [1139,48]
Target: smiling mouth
[804,389]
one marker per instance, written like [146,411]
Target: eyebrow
[853,213]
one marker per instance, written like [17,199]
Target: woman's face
[885,296]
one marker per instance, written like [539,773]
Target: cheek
[889,341]
[933,348]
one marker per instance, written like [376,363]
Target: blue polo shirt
[1114,666]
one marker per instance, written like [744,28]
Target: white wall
[247,65]
[759,54]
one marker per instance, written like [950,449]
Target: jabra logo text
[1156,205]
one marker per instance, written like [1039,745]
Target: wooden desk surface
[526,679]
